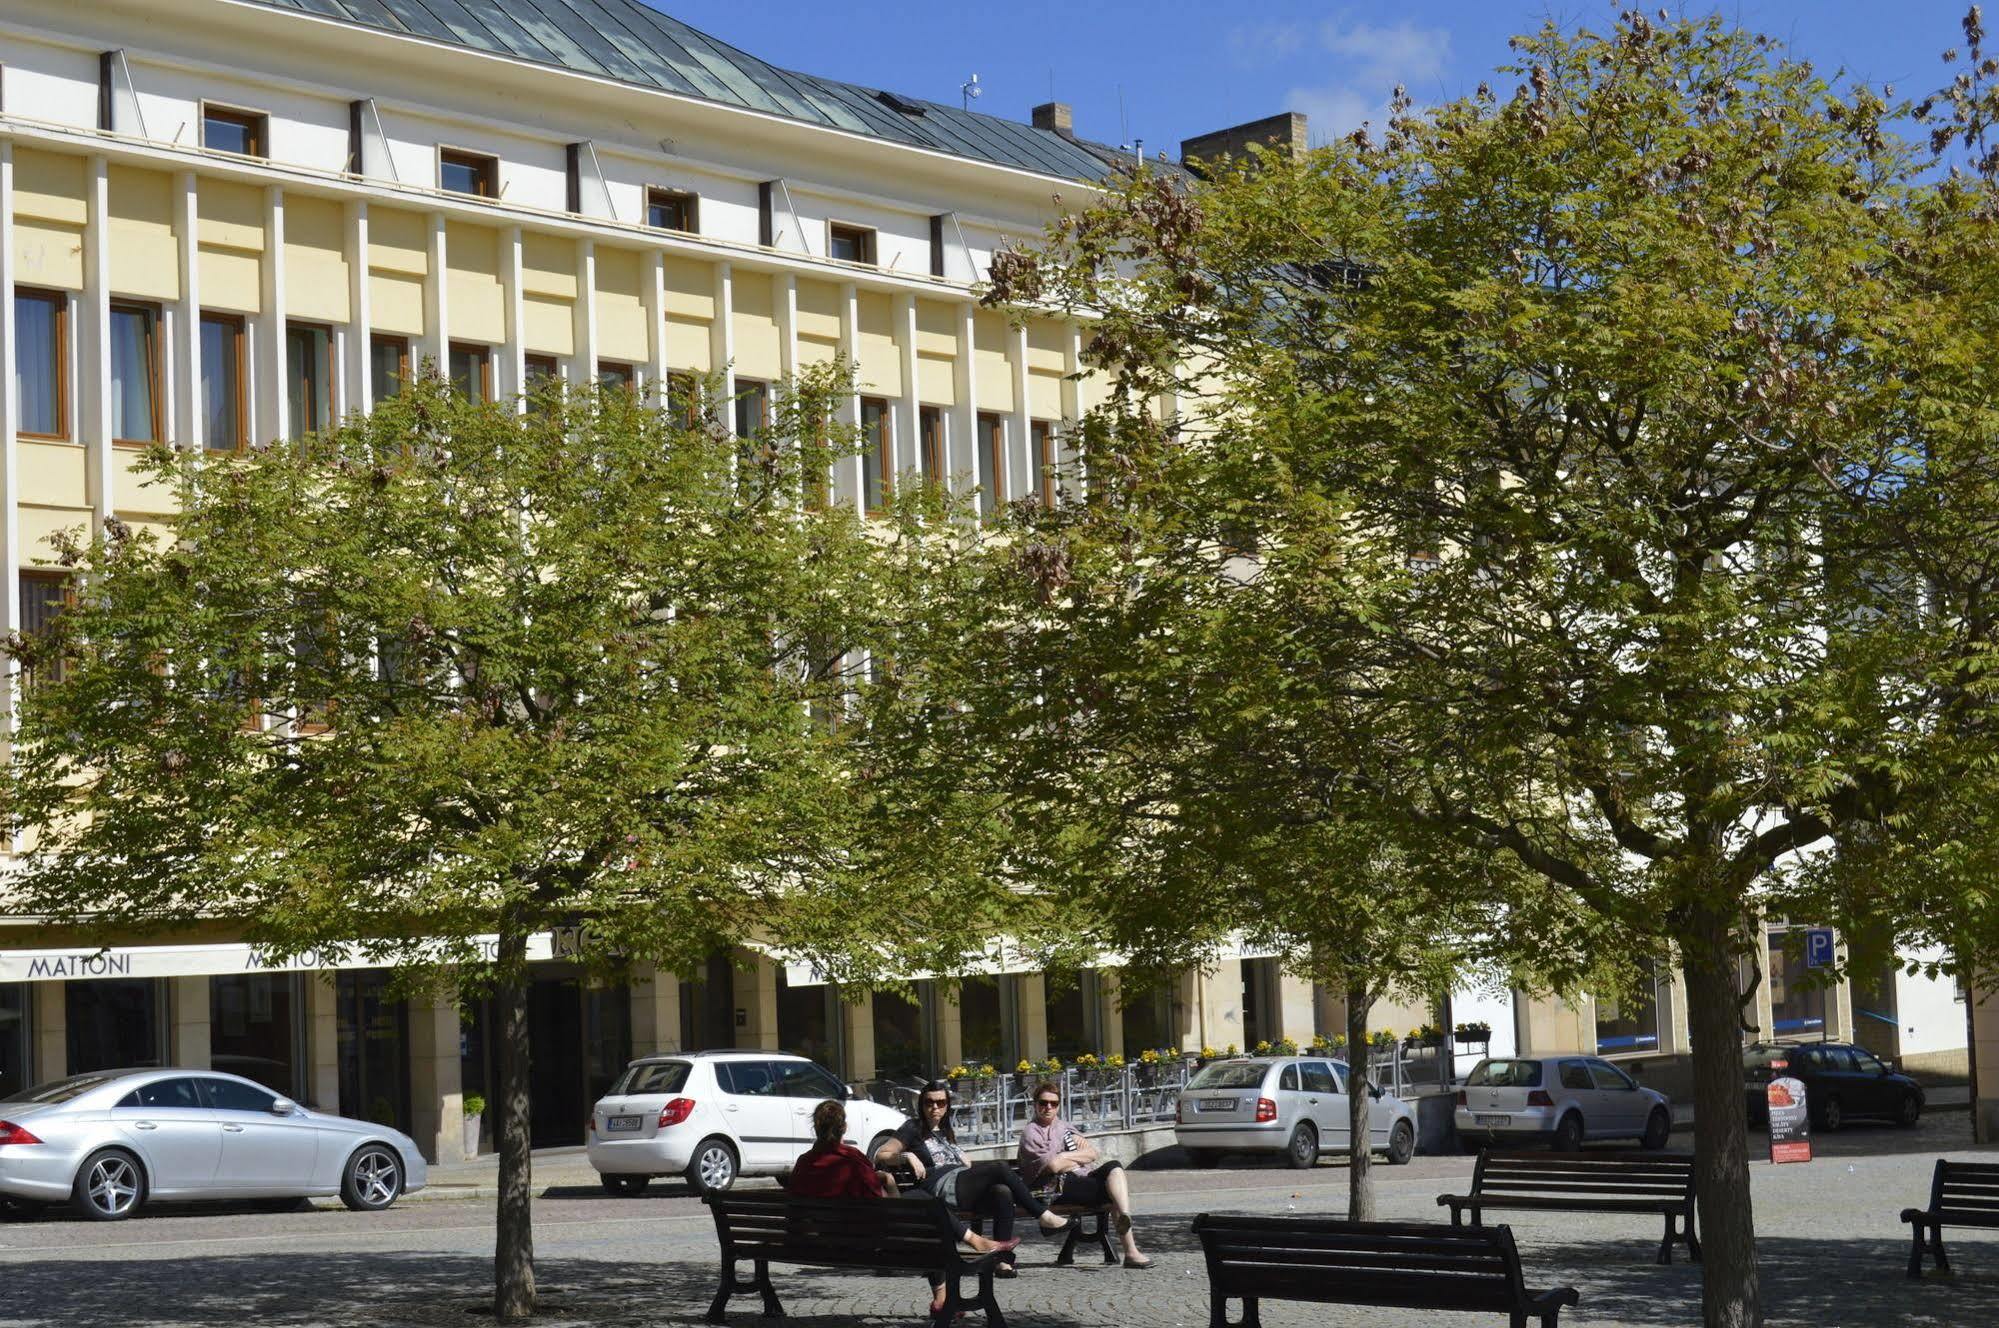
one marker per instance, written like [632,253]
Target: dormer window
[851,244]
[244,133]
[673,210]
[468,173]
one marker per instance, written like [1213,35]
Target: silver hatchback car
[111,1141]
[1296,1106]
[1560,1101]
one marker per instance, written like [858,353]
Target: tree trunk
[1360,1158]
[1730,1296]
[513,1255]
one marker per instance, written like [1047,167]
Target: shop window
[673,210]
[850,244]
[931,428]
[1072,1014]
[388,366]
[41,362]
[707,1007]
[607,1039]
[992,463]
[223,411]
[903,1039]
[1147,1017]
[308,378]
[1797,1006]
[244,133]
[256,1025]
[877,462]
[372,1036]
[114,1024]
[135,373]
[1630,1024]
[13,1038]
[808,1021]
[472,371]
[985,1022]
[468,173]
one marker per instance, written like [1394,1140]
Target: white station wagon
[712,1116]
[1294,1105]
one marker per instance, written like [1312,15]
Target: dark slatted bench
[1962,1194]
[1661,1183]
[1405,1265]
[1099,1230]
[902,1235]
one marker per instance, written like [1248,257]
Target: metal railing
[992,1110]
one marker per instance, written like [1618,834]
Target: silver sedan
[111,1141]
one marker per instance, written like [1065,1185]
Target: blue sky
[1164,70]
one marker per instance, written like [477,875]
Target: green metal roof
[633,43]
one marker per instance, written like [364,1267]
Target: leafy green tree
[455,674]
[1641,419]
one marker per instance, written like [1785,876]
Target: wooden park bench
[1099,1230]
[1962,1194]
[1404,1265]
[1661,1183]
[882,1235]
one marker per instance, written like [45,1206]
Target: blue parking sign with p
[1818,947]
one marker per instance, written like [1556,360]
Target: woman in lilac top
[1055,1158]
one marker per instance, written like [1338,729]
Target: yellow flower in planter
[1025,1067]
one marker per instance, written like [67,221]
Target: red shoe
[1006,1246]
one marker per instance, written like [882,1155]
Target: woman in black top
[930,1146]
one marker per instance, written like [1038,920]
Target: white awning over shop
[182,961]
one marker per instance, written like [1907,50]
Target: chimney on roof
[1057,116]
[1280,133]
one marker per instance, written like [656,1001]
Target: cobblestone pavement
[1832,1253]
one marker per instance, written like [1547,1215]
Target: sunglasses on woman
[936,1101]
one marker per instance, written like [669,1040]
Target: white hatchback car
[1561,1101]
[712,1116]
[1293,1105]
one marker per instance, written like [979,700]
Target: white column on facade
[1026,466]
[436,300]
[94,365]
[360,314]
[191,425]
[909,410]
[585,314]
[1072,410]
[964,432]
[653,293]
[10,459]
[784,294]
[515,370]
[277,413]
[847,478]
[722,340]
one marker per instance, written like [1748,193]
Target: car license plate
[1215,1104]
[622,1124]
[1493,1120]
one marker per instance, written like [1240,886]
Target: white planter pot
[472,1135]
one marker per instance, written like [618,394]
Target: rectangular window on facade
[930,427]
[543,375]
[851,244]
[1046,463]
[1631,1024]
[472,371]
[683,398]
[43,596]
[135,373]
[673,210]
[468,173]
[388,365]
[612,374]
[41,362]
[752,407]
[992,463]
[308,378]
[877,462]
[222,407]
[245,133]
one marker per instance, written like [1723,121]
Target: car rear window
[652,1077]
[1506,1074]
[1230,1074]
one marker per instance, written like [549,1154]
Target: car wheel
[1832,1115]
[109,1186]
[1568,1134]
[627,1186]
[373,1179]
[1910,1111]
[712,1169]
[1202,1157]
[1303,1150]
[1658,1129]
[1401,1143]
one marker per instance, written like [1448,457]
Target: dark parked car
[1842,1082]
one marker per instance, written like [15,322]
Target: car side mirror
[854,1093]
[1374,1090]
[283,1106]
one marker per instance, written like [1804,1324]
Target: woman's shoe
[1006,1246]
[1006,1270]
[1052,1221]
